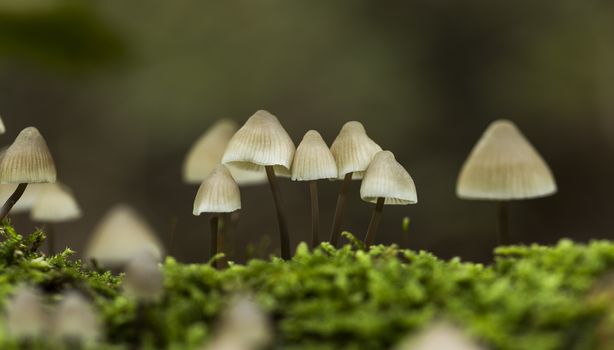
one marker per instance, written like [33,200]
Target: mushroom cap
[313,159]
[245,320]
[261,141]
[55,203]
[438,337]
[75,318]
[120,236]
[219,193]
[27,200]
[353,150]
[503,165]
[27,160]
[144,279]
[25,317]
[386,178]
[2,127]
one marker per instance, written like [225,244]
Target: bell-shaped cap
[261,141]
[386,178]
[144,280]
[76,319]
[439,337]
[504,166]
[313,159]
[2,127]
[55,203]
[120,236]
[27,160]
[246,321]
[27,200]
[25,317]
[353,150]
[219,193]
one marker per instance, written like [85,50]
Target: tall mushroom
[353,151]
[26,161]
[218,194]
[313,161]
[386,182]
[75,322]
[55,204]
[504,166]
[263,142]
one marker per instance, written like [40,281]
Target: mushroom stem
[340,209]
[315,213]
[283,226]
[375,218]
[503,235]
[8,205]
[214,231]
[222,231]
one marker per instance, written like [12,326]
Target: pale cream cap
[55,203]
[386,178]
[219,193]
[27,160]
[76,318]
[144,279]
[121,235]
[27,200]
[440,336]
[353,150]
[313,159]
[247,322]
[261,141]
[2,127]
[25,317]
[503,165]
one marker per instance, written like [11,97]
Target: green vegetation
[531,297]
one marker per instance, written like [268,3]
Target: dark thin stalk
[315,214]
[222,230]
[8,205]
[281,218]
[214,227]
[377,215]
[340,209]
[503,234]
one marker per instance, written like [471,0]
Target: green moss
[531,297]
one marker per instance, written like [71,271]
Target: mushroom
[245,321]
[25,318]
[440,336]
[503,166]
[26,161]
[144,280]
[27,200]
[55,204]
[2,127]
[219,193]
[313,161]
[76,322]
[120,236]
[386,182]
[263,142]
[353,151]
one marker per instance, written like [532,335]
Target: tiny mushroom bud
[245,321]
[144,280]
[386,182]
[440,336]
[263,142]
[504,166]
[313,161]
[25,317]
[353,151]
[76,321]
[26,161]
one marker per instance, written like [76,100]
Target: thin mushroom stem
[373,225]
[222,230]
[8,205]
[503,234]
[214,222]
[283,225]
[340,209]
[315,213]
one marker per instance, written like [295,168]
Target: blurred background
[121,90]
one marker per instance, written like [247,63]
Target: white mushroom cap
[121,235]
[75,318]
[27,200]
[313,159]
[504,166]
[440,336]
[261,141]
[27,160]
[386,178]
[2,127]
[353,150]
[25,317]
[246,321]
[144,279]
[55,203]
[219,193]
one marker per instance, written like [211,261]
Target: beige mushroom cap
[27,160]
[219,193]
[2,127]
[503,165]
[121,235]
[386,178]
[25,317]
[55,203]
[75,318]
[353,150]
[27,200]
[313,159]
[144,279]
[261,141]
[440,336]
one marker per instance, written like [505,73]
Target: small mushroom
[353,151]
[263,142]
[440,336]
[144,280]
[313,161]
[218,194]
[27,200]
[55,204]
[245,321]
[503,166]
[386,182]
[26,161]
[25,318]
[76,322]
[2,127]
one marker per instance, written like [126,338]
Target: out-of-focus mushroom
[76,322]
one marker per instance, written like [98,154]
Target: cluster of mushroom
[261,147]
